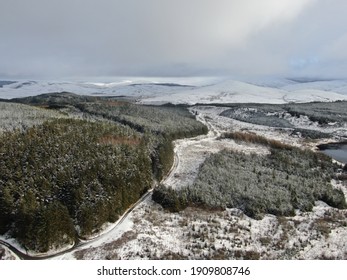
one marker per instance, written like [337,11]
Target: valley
[196,230]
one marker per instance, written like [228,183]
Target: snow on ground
[194,152]
[150,232]
[338,86]
[225,92]
[231,91]
[189,90]
[126,88]
[199,234]
[6,254]
[191,153]
[311,95]
[135,87]
[225,124]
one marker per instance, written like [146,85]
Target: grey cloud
[55,39]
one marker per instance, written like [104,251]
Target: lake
[337,151]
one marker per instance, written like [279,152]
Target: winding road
[213,133]
[80,242]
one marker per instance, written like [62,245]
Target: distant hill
[4,83]
[275,91]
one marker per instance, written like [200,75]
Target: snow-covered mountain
[137,89]
[179,91]
[275,91]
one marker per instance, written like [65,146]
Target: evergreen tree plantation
[64,177]
[285,180]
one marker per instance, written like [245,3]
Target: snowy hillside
[136,89]
[190,91]
[275,91]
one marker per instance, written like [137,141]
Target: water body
[337,151]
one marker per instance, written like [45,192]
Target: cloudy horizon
[84,38]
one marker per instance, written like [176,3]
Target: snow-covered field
[6,254]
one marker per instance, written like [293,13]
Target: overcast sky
[56,39]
